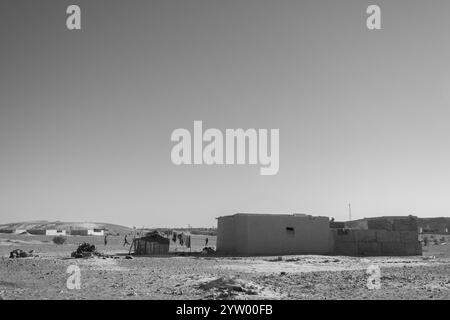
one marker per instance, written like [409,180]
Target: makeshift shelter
[153,243]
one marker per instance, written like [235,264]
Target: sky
[86,116]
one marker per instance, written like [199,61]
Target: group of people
[183,238]
[125,240]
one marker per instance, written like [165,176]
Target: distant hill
[46,225]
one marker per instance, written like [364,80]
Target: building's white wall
[55,232]
[267,235]
[91,232]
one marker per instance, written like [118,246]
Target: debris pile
[226,287]
[208,251]
[18,253]
[85,250]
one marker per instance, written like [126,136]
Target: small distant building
[153,243]
[95,232]
[54,232]
[87,232]
[273,234]
[37,232]
[78,232]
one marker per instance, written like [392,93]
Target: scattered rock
[252,292]
[224,287]
[429,258]
[277,259]
[223,295]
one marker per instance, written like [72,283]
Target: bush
[59,240]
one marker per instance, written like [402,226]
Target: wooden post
[132,242]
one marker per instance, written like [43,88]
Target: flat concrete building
[273,234]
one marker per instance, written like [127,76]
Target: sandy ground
[209,277]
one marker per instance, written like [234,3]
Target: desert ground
[195,276]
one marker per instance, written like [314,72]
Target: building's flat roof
[272,215]
[387,217]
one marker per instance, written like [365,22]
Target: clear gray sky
[86,116]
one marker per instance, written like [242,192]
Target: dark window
[290,231]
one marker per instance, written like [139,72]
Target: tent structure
[153,243]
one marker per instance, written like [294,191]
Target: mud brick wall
[383,237]
[337,225]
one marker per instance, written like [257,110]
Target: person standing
[125,241]
[106,240]
[206,242]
